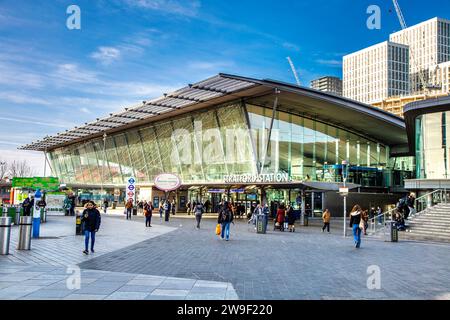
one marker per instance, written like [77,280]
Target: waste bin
[305,220]
[25,225]
[134,211]
[5,234]
[114,205]
[261,225]
[78,224]
[390,231]
[19,213]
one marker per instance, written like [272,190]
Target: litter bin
[19,213]
[134,211]
[261,223]
[25,225]
[305,220]
[114,205]
[5,234]
[390,231]
[78,224]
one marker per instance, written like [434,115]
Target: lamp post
[103,163]
[345,191]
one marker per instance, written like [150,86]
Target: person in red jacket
[281,215]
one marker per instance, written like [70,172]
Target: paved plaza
[176,261]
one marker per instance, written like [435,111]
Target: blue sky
[53,78]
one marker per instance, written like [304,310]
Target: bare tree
[20,169]
[3,169]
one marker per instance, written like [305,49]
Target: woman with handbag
[357,224]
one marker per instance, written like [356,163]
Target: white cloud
[330,63]
[106,55]
[215,66]
[291,46]
[19,98]
[85,110]
[184,8]
[14,75]
[35,122]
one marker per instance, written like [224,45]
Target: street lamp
[344,192]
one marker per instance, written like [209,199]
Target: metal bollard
[24,233]
[5,234]
[44,215]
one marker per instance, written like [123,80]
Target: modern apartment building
[429,45]
[328,84]
[377,72]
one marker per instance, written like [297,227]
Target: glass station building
[428,129]
[238,138]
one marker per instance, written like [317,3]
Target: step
[430,215]
[429,233]
[428,223]
[409,236]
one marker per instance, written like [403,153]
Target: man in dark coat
[27,206]
[91,223]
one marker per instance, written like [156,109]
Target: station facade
[241,139]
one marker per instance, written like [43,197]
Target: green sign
[42,183]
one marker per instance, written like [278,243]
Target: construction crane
[404,26]
[294,71]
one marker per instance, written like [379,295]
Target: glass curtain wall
[199,147]
[312,150]
[432,150]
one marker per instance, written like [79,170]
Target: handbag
[362,224]
[218,229]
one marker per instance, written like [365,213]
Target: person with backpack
[291,218]
[27,206]
[91,223]
[198,211]
[225,218]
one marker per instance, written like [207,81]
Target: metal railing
[377,223]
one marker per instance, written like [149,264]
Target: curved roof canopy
[360,118]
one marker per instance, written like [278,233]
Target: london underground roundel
[167,182]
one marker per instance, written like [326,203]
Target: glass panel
[137,156]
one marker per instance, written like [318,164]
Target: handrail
[419,206]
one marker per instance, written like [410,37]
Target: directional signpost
[131,189]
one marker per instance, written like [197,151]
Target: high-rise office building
[328,84]
[376,72]
[429,45]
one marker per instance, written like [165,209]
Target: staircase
[433,224]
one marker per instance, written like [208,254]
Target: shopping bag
[218,229]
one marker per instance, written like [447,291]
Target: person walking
[410,203]
[27,205]
[266,212]
[105,205]
[198,211]
[161,210]
[129,208]
[258,210]
[174,207]
[280,218]
[188,207]
[225,218]
[326,217]
[291,218]
[378,213]
[355,224]
[91,223]
[365,218]
[72,201]
[148,212]
[166,210]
